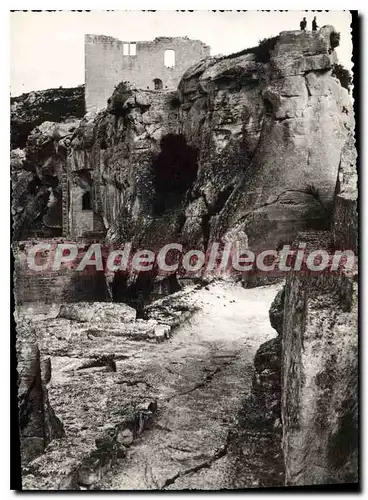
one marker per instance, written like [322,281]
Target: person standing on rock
[314,24]
[303,24]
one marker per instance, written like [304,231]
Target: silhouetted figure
[303,24]
[314,24]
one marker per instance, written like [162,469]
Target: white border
[4,171]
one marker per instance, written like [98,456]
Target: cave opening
[175,171]
[147,288]
[137,294]
[87,286]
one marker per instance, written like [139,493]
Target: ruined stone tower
[152,65]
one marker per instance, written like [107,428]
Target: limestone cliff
[308,375]
[248,149]
[27,111]
[320,355]
[38,143]
[37,173]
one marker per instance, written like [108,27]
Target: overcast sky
[47,48]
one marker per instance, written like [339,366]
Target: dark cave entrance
[146,289]
[175,171]
[136,295]
[87,286]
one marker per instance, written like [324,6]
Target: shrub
[265,46]
[262,51]
[122,92]
[334,39]
[343,75]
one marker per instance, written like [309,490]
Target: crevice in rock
[221,452]
[132,383]
[206,381]
[105,360]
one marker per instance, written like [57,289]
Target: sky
[47,48]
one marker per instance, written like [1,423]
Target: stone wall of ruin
[106,65]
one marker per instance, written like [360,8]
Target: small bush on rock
[334,39]
[343,75]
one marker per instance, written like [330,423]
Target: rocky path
[108,368]
[200,376]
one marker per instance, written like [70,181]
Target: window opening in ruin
[157,83]
[169,58]
[133,49]
[125,49]
[86,201]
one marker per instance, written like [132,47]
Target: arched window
[86,201]
[169,58]
[157,84]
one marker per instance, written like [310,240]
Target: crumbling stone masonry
[153,65]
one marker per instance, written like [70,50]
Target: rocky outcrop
[263,408]
[104,398]
[38,424]
[320,356]
[308,375]
[248,148]
[273,128]
[118,147]
[28,111]
[39,179]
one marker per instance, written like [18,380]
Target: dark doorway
[86,201]
[157,84]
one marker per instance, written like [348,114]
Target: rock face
[250,148]
[308,375]
[30,110]
[39,179]
[247,149]
[263,409]
[38,423]
[320,357]
[320,377]
[277,129]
